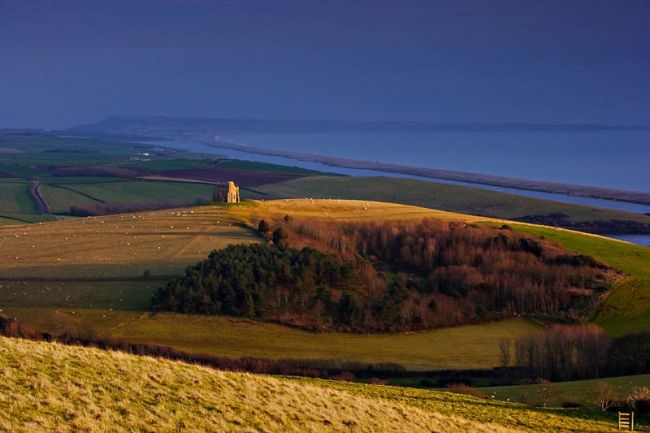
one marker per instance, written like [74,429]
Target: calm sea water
[635,239]
[613,159]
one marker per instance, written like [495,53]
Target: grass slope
[126,192]
[627,308]
[433,195]
[15,198]
[476,346]
[90,261]
[150,193]
[579,391]
[49,387]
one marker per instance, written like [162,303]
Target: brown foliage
[461,388]
[459,273]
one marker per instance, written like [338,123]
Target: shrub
[263,227]
[639,399]
[460,388]
[377,381]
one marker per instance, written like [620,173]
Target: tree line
[573,352]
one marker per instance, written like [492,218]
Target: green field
[14,198]
[50,387]
[129,192]
[433,195]
[627,308]
[578,391]
[60,200]
[477,345]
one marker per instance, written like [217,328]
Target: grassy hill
[627,308]
[49,387]
[102,261]
[433,195]
[90,268]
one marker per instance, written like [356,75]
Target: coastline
[476,178]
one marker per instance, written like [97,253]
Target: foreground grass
[476,346]
[49,387]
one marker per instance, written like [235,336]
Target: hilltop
[47,387]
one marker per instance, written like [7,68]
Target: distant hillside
[158,126]
[456,198]
[50,387]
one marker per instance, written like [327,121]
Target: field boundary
[37,197]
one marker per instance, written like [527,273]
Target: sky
[65,63]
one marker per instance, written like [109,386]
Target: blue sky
[64,63]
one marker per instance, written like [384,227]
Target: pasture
[433,195]
[129,192]
[87,261]
[15,199]
[577,391]
[50,387]
[475,346]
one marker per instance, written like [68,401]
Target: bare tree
[546,392]
[504,353]
[604,395]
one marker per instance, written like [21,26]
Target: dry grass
[346,210]
[118,246]
[49,387]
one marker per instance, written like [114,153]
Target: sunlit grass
[49,387]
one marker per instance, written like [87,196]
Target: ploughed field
[51,387]
[87,274]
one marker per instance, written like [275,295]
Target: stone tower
[226,193]
[233,193]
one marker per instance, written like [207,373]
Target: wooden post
[626,421]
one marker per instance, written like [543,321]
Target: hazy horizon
[68,63]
